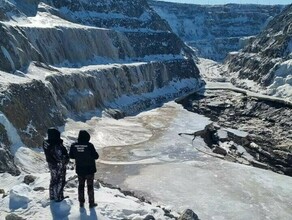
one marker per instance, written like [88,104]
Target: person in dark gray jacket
[85,155]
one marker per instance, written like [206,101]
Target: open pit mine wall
[269,51]
[80,46]
[216,30]
[34,106]
[133,86]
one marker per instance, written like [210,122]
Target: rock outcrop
[267,59]
[188,214]
[6,162]
[249,131]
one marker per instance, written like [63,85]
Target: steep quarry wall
[215,30]
[61,59]
[130,88]
[31,108]
[267,59]
[56,45]
[114,14]
[80,46]
[16,52]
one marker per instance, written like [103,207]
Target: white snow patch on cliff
[282,82]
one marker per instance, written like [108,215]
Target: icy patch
[217,189]
[145,161]
[109,132]
[19,196]
[61,209]
[237,132]
[222,134]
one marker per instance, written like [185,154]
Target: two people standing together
[57,157]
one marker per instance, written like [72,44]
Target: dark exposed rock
[259,60]
[40,188]
[6,159]
[30,113]
[209,134]
[3,136]
[114,113]
[7,163]
[28,179]
[13,216]
[259,164]
[149,217]
[168,213]
[72,182]
[188,214]
[266,124]
[219,150]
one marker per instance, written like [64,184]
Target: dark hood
[83,136]
[54,136]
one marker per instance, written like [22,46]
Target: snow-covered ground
[32,203]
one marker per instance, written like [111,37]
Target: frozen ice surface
[19,196]
[215,189]
[166,168]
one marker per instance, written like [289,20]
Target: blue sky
[220,2]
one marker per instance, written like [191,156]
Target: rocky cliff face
[267,140]
[267,59]
[80,31]
[215,30]
[62,59]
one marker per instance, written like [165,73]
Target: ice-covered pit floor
[144,153]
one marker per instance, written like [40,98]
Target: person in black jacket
[85,155]
[57,158]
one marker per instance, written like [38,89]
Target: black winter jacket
[54,149]
[84,154]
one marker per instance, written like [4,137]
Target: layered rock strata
[267,59]
[216,30]
[76,59]
[266,125]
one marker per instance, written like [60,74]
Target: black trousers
[89,179]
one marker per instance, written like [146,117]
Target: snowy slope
[32,201]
